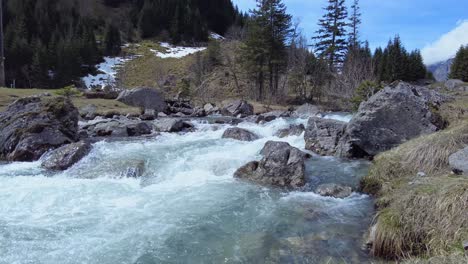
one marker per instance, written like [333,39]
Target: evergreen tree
[459,69]
[331,36]
[354,23]
[265,48]
[112,41]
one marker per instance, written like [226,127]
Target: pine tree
[331,37]
[265,48]
[354,23]
[459,69]
[112,41]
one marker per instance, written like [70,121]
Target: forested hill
[53,42]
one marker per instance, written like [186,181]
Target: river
[186,208]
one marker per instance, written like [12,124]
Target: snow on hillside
[176,51]
[107,72]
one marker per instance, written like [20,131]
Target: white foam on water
[186,208]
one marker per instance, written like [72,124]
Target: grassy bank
[8,96]
[422,218]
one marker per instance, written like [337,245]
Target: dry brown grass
[420,216]
[104,106]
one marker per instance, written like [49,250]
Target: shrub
[69,91]
[364,91]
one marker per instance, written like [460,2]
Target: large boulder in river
[459,162]
[282,165]
[323,135]
[65,156]
[238,108]
[146,98]
[292,130]
[306,111]
[239,134]
[171,125]
[392,116]
[122,127]
[31,126]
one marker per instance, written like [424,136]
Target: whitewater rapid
[186,208]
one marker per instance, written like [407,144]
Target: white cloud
[447,45]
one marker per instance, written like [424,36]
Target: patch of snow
[216,36]
[107,72]
[176,51]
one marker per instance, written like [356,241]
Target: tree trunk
[2,56]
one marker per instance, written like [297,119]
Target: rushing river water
[187,207]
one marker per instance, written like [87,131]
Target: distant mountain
[441,70]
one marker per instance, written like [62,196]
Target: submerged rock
[459,162]
[334,190]
[66,156]
[239,134]
[282,165]
[322,135]
[292,130]
[31,126]
[134,171]
[238,108]
[392,116]
[146,98]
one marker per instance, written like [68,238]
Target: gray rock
[239,134]
[292,130]
[139,129]
[122,127]
[238,108]
[459,162]
[32,126]
[148,115]
[281,165]
[88,112]
[146,98]
[392,116]
[306,111]
[171,125]
[66,156]
[323,135]
[334,190]
[453,83]
[209,108]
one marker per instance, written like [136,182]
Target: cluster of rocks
[31,126]
[396,114]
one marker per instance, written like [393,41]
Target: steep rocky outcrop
[65,156]
[323,135]
[392,116]
[31,126]
[282,165]
[145,98]
[239,134]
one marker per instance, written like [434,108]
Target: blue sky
[436,27]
